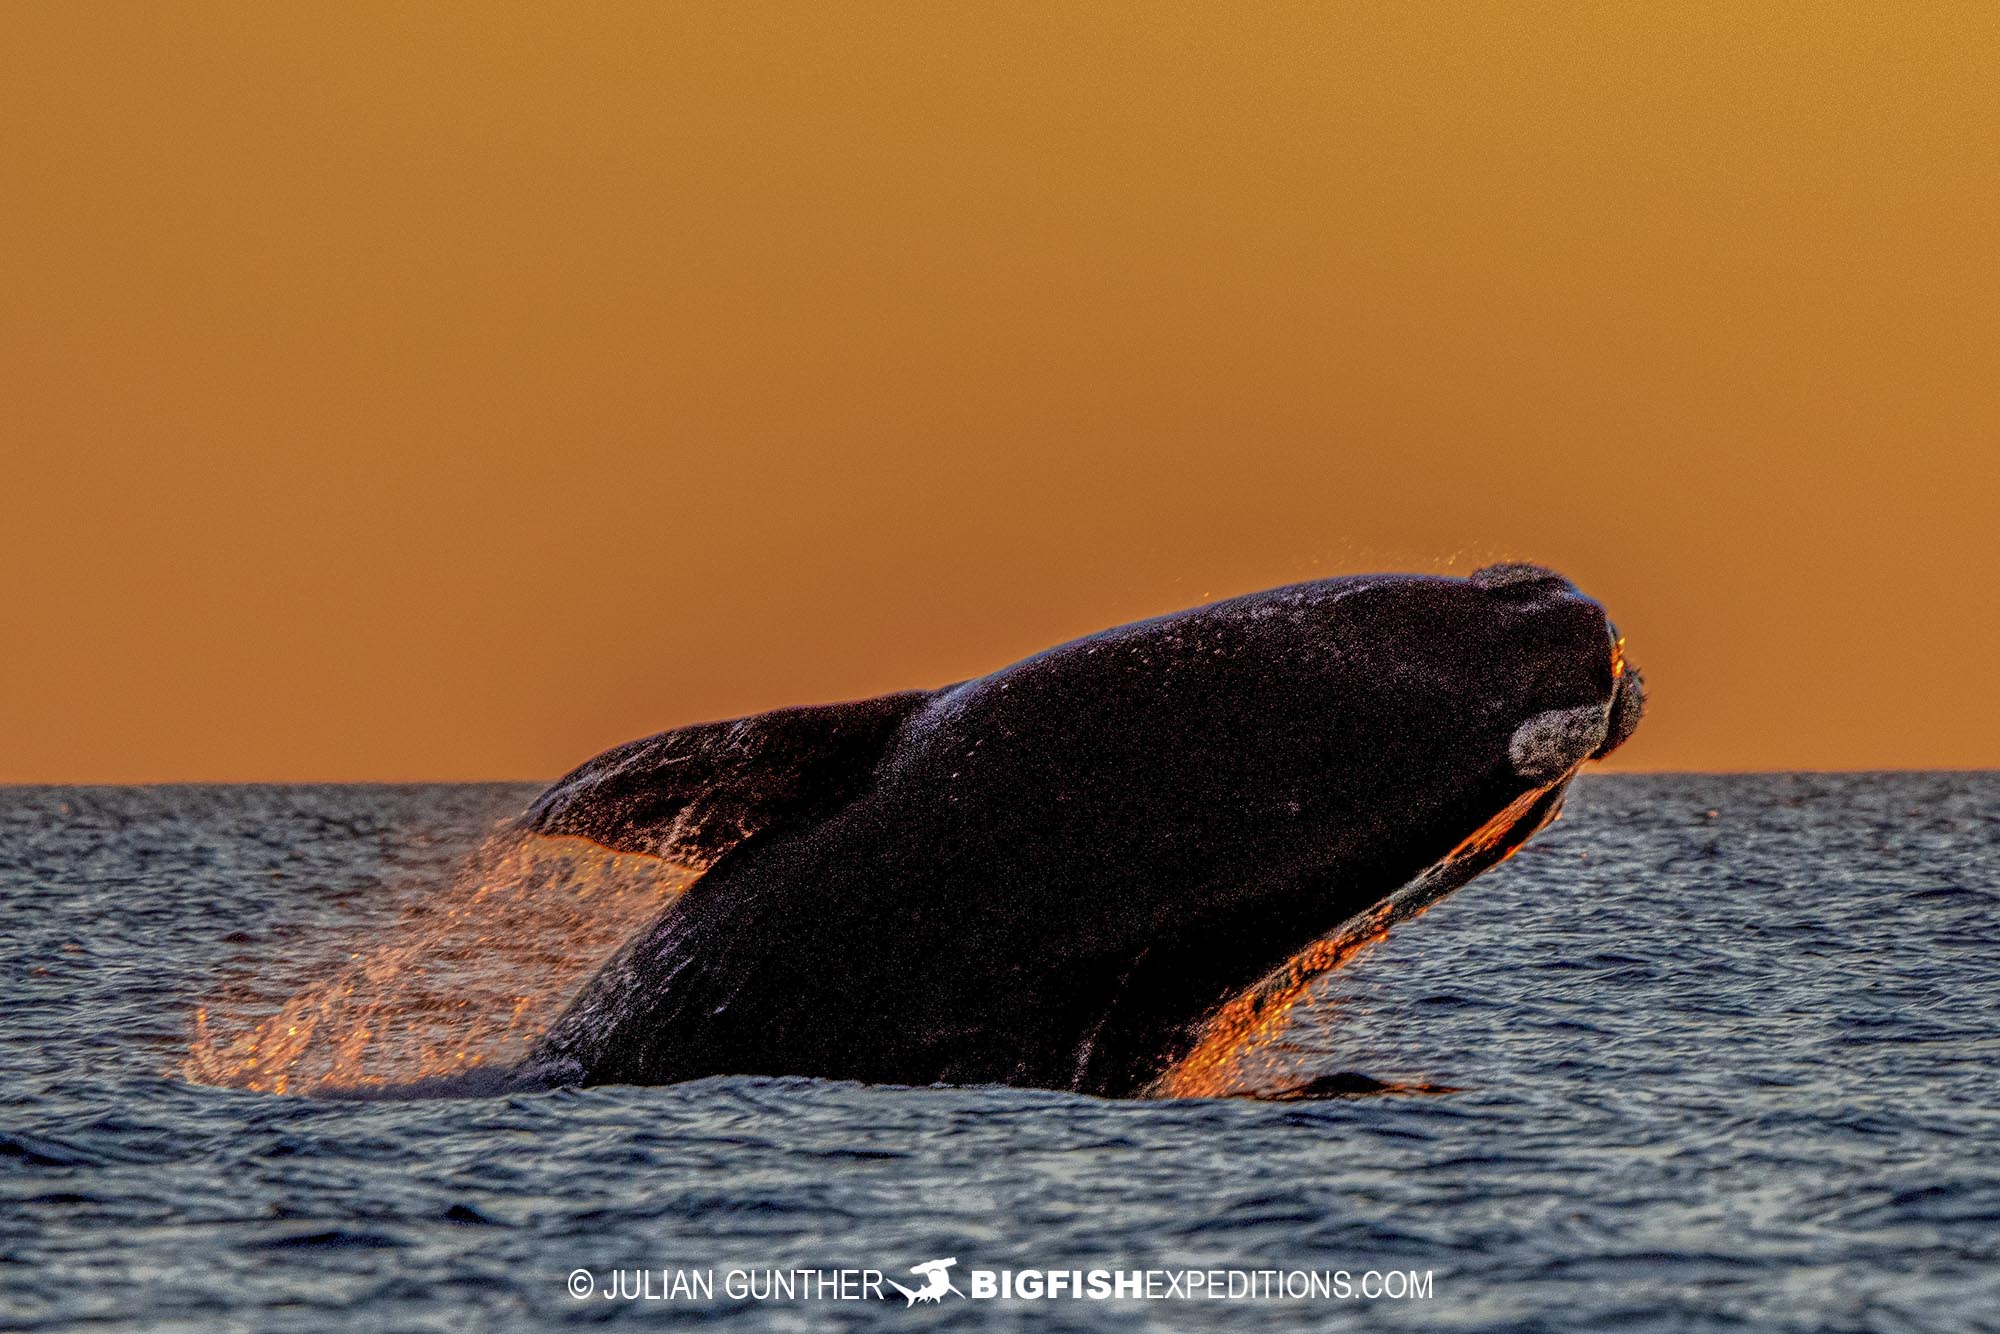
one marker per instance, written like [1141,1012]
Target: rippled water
[1724,1050]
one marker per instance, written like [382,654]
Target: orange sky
[395,391]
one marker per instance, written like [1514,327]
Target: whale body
[1083,870]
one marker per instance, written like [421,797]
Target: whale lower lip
[1215,1067]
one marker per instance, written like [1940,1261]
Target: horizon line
[1775,772]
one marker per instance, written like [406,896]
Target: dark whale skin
[1052,874]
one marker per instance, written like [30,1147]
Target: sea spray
[466,977]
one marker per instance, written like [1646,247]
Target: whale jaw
[1224,1060]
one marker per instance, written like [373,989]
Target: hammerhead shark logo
[936,1285]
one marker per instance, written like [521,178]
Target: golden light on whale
[1234,1054]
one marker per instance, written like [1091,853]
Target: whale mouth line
[1492,843]
[1252,1019]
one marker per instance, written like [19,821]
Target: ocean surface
[1724,1053]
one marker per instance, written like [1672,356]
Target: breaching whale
[1093,868]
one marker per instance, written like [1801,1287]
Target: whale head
[1449,718]
[1567,649]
